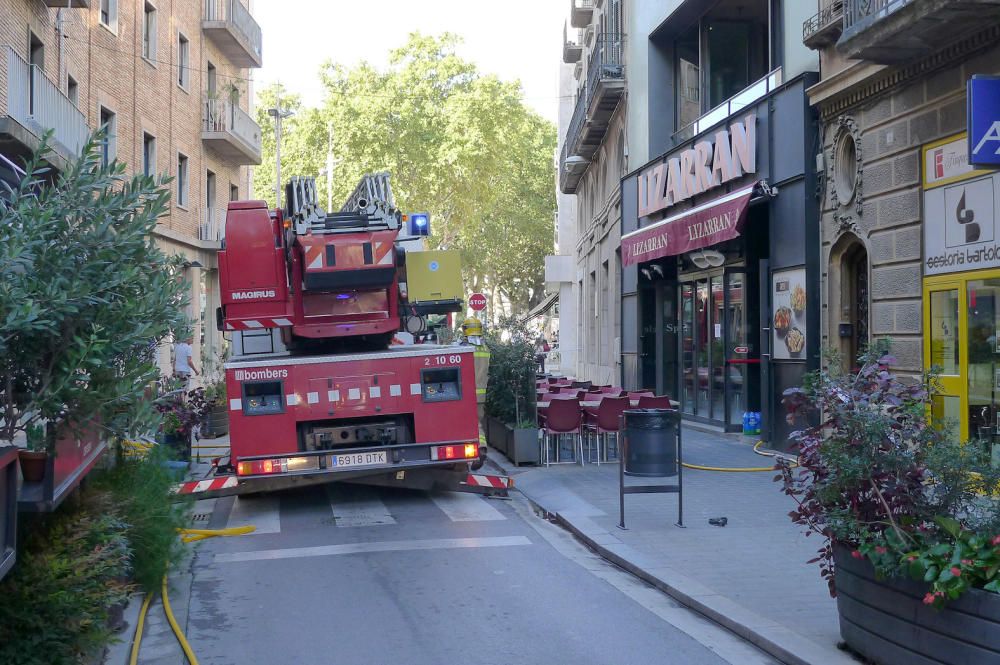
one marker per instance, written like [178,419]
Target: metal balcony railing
[575,123]
[741,100]
[210,229]
[856,11]
[234,13]
[831,12]
[605,60]
[37,104]
[222,115]
[581,13]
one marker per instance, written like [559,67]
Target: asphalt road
[369,576]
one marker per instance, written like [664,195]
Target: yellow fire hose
[187,536]
[742,469]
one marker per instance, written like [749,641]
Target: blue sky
[514,39]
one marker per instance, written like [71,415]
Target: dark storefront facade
[720,256]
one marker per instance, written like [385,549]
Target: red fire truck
[317,392]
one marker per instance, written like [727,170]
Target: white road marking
[461,507]
[260,511]
[362,548]
[363,508]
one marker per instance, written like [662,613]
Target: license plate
[348,460]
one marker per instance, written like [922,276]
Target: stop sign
[477,301]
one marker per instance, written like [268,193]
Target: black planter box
[887,622]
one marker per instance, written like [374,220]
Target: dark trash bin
[651,436]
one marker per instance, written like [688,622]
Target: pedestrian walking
[183,363]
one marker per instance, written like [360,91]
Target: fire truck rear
[316,391]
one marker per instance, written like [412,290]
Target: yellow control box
[433,275]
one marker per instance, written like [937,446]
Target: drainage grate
[201,517]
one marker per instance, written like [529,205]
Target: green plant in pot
[86,295]
[880,480]
[34,457]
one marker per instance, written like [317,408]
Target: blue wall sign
[983,100]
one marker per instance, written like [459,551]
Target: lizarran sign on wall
[700,168]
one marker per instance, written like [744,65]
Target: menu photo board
[789,312]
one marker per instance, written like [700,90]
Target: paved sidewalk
[750,575]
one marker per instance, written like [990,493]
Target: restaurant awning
[705,225]
[541,308]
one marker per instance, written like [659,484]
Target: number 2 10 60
[443,360]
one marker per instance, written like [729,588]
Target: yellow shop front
[961,288]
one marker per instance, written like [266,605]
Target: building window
[109,13]
[182,179]
[148,154]
[109,124]
[720,55]
[149,32]
[234,193]
[183,61]
[73,91]
[212,81]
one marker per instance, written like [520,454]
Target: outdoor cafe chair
[580,384]
[658,402]
[563,417]
[606,422]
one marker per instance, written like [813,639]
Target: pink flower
[966,562]
[956,571]
[929,599]
[912,557]
[880,549]
[995,541]
[857,554]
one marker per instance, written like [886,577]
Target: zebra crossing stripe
[263,512]
[466,507]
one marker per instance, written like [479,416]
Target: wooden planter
[887,622]
[32,465]
[216,422]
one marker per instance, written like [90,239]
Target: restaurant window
[720,55]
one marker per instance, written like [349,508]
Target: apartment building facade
[172,81]
[900,259]
[591,162]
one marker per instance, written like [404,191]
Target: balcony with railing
[895,31]
[572,50]
[212,225]
[234,31]
[581,13]
[824,28]
[35,105]
[230,131]
[571,164]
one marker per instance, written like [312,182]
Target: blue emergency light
[420,224]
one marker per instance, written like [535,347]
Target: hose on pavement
[743,469]
[187,536]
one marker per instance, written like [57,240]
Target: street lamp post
[278,114]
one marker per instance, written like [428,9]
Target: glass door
[687,397]
[716,351]
[944,350]
[702,349]
[983,351]
[737,354]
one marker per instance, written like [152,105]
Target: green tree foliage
[459,143]
[85,296]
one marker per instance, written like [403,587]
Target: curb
[773,638]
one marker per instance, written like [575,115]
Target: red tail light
[456,451]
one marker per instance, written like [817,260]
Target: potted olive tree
[510,396]
[908,516]
[86,296]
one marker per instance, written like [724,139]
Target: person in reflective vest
[472,330]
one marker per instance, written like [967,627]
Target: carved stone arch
[849,297]
[845,173]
